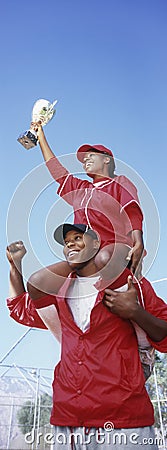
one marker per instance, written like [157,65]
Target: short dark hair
[111,166]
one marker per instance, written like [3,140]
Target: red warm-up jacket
[99,377]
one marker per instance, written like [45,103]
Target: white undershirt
[81,299]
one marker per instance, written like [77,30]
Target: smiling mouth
[87,165]
[72,253]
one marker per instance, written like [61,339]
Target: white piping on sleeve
[64,183]
[131,201]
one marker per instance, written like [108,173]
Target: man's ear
[96,244]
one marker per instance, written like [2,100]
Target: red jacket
[99,377]
[109,206]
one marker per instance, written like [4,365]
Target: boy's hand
[134,256]
[15,252]
[136,252]
[123,304]
[37,127]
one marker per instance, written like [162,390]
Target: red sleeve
[68,184]
[135,216]
[158,308]
[129,201]
[56,169]
[23,311]
[128,192]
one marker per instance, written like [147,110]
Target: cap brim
[96,148]
[82,150]
[60,232]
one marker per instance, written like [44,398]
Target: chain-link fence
[26,401]
[25,406]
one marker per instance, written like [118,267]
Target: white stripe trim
[64,183]
[140,289]
[86,191]
[131,201]
[86,207]
[101,184]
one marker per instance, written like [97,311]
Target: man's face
[94,163]
[79,248]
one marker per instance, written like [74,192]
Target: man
[99,379]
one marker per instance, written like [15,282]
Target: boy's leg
[111,262]
[48,280]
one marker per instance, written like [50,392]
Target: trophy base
[28,139]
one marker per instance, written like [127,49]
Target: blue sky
[106,64]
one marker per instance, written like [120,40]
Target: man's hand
[15,252]
[126,306]
[123,304]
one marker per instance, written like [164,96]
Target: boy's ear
[107,159]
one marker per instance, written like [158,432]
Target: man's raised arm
[15,253]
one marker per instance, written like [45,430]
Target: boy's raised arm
[46,150]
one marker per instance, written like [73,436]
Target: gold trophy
[43,111]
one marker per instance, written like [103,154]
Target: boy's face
[79,248]
[93,163]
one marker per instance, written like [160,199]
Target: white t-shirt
[81,299]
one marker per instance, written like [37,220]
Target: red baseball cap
[87,147]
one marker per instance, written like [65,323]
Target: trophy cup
[43,111]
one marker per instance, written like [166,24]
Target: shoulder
[79,181]
[126,187]
[71,183]
[151,299]
[147,286]
[124,181]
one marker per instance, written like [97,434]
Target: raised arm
[56,169]
[15,253]
[19,303]
[46,150]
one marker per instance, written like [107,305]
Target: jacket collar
[64,288]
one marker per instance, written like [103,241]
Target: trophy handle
[28,139]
